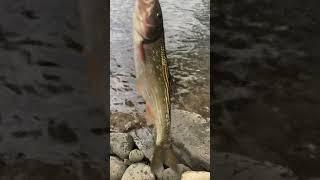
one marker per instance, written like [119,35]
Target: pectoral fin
[149,115]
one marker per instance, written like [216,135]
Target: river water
[187,31]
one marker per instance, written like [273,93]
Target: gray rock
[191,138]
[121,144]
[136,155]
[235,167]
[117,168]
[138,171]
[143,139]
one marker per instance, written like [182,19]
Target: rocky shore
[131,152]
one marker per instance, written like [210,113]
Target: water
[38,115]
[186,25]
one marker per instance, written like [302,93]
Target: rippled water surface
[186,25]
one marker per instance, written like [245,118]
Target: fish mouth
[149,24]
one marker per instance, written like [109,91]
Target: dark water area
[266,91]
[186,25]
[47,116]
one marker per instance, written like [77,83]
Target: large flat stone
[191,138]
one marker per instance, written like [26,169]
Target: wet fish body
[152,78]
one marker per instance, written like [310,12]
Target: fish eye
[159,15]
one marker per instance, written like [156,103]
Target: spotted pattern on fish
[165,70]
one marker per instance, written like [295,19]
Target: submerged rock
[138,171]
[117,168]
[121,144]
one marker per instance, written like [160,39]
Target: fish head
[149,22]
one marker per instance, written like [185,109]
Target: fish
[93,20]
[153,79]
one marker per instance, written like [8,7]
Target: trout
[93,16]
[152,79]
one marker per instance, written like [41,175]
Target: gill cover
[149,17]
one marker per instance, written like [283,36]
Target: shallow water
[186,25]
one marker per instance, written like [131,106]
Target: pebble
[117,168]
[136,155]
[121,144]
[138,171]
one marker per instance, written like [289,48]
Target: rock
[193,175]
[117,168]
[143,139]
[138,171]
[128,125]
[136,155]
[121,144]
[169,174]
[191,138]
[235,167]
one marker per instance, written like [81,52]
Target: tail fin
[163,156]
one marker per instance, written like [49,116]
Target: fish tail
[163,156]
